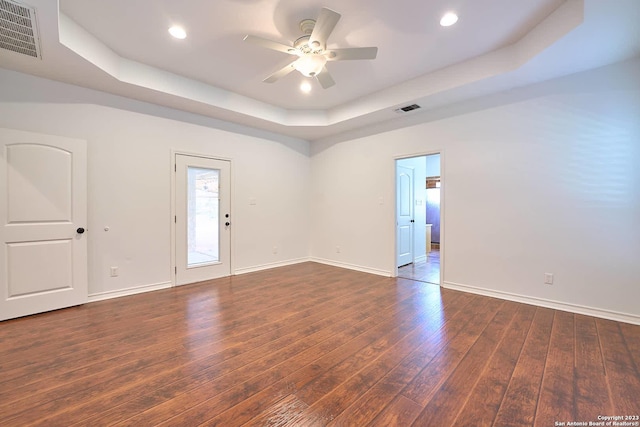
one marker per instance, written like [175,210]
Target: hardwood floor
[313,345]
[424,271]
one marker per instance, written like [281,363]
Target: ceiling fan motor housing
[303,46]
[307,25]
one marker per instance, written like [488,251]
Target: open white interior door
[43,215]
[404,215]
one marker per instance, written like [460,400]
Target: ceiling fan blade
[280,73]
[352,53]
[270,44]
[325,79]
[325,24]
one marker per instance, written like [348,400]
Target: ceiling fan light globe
[310,65]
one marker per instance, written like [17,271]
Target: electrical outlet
[337,249]
[548,278]
[114,271]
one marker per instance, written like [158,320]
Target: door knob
[413,220]
[227,224]
[80,230]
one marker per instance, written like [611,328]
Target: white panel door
[404,215]
[203,218]
[43,215]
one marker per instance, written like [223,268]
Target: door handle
[80,230]
[413,220]
[227,224]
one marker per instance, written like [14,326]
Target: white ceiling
[123,47]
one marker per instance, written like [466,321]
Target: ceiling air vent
[404,109]
[18,30]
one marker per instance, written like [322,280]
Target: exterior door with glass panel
[43,215]
[203,218]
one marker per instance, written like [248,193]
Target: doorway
[418,213]
[202,218]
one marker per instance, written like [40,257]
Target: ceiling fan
[311,49]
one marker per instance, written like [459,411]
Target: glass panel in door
[203,212]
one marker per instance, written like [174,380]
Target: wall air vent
[18,29]
[407,108]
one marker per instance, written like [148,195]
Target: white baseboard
[352,267]
[100,296]
[270,265]
[541,302]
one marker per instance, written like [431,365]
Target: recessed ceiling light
[305,87]
[178,32]
[449,19]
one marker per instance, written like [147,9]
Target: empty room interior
[305,213]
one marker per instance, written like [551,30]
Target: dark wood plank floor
[313,345]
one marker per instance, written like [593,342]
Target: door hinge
[175,218]
[175,167]
[175,270]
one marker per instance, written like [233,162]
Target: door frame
[172,171]
[393,254]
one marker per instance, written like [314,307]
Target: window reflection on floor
[424,271]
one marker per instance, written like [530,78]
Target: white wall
[419,166]
[539,179]
[129,178]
